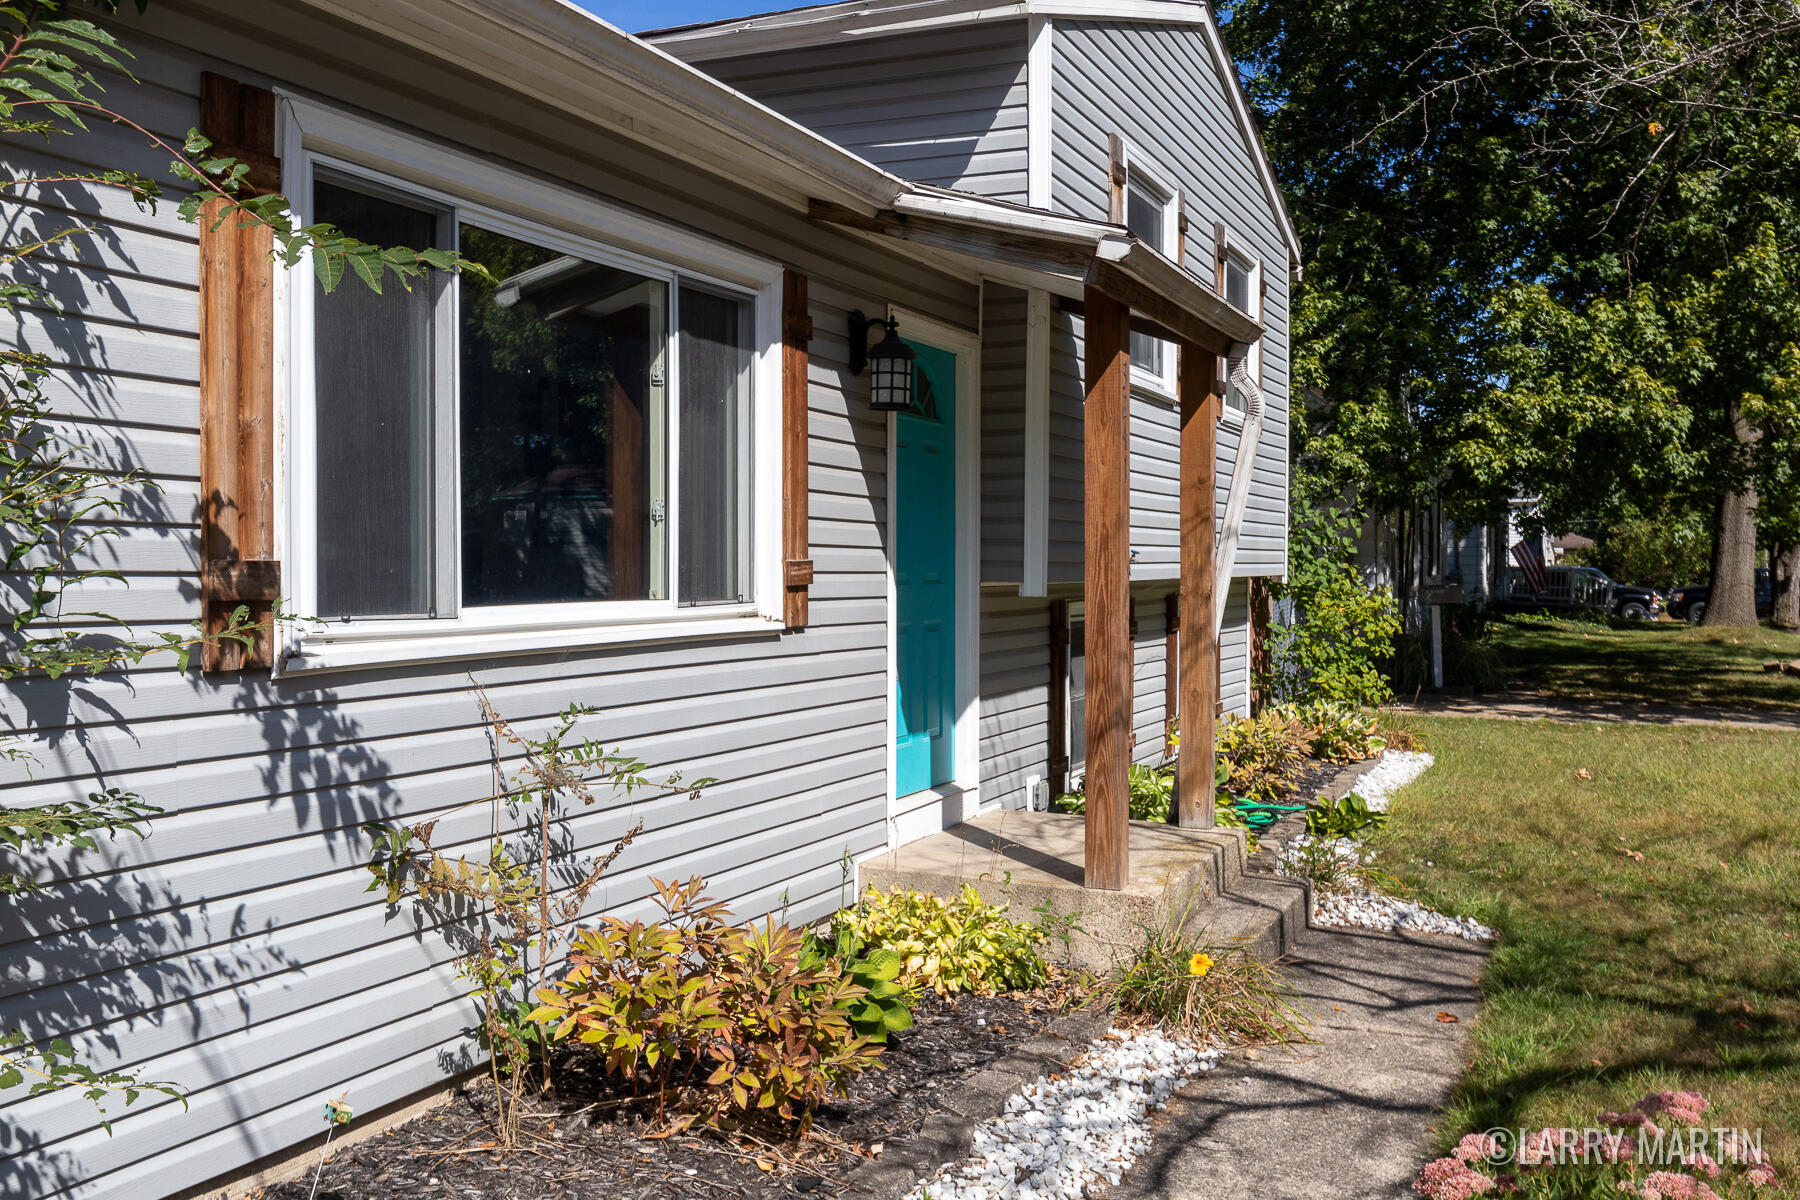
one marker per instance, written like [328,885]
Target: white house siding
[944,107]
[1157,86]
[235,951]
[1002,434]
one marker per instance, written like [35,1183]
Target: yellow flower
[1200,964]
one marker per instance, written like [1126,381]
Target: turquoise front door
[925,575]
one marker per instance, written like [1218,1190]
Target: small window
[1151,217]
[1243,291]
[1077,706]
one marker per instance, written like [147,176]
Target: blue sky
[656,14]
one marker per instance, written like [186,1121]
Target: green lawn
[1616,975]
[1660,661]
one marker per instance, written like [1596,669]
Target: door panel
[925,575]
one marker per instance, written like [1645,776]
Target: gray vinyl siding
[235,950]
[1234,650]
[1157,86]
[1149,684]
[1003,320]
[1066,557]
[1015,697]
[945,107]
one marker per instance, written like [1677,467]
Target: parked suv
[1584,588]
[1689,603]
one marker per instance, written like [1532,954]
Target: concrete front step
[1034,862]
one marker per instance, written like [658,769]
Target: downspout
[1249,436]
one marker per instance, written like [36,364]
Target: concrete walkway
[1528,707]
[1343,1119]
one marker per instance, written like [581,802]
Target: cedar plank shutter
[1116,178]
[796,334]
[237,384]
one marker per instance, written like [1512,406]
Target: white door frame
[966,345]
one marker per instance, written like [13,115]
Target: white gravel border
[1364,908]
[1068,1137]
[1396,769]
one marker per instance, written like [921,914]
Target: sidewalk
[1345,1118]
[1528,707]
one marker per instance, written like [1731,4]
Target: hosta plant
[728,1022]
[887,1003]
[960,945]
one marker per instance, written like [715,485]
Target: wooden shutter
[1116,178]
[796,335]
[237,384]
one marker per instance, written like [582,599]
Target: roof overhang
[604,76]
[1063,255]
[572,60]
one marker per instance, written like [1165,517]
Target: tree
[1603,198]
[54,496]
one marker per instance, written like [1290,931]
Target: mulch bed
[589,1141]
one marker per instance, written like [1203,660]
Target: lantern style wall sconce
[889,362]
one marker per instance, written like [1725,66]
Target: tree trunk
[1733,599]
[1784,564]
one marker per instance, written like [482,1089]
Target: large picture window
[570,440]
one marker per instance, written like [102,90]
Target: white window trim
[1161,385]
[500,198]
[1235,249]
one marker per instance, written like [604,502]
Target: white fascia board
[820,24]
[937,203]
[578,62]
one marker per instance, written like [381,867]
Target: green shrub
[950,946]
[887,1004]
[694,992]
[1203,991]
[1151,796]
[1334,731]
[1347,816]
[1262,755]
[1343,630]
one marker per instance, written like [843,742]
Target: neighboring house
[635,472]
[1420,546]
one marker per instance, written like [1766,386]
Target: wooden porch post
[1107,521]
[1198,685]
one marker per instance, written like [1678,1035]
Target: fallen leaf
[1584,773]
[1448,1018]
[1597,1063]
[1742,1024]
[765,1164]
[1634,855]
[1747,1009]
[1337,1008]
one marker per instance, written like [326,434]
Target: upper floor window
[567,444]
[1242,280]
[1152,216]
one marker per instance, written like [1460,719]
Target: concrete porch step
[1034,862]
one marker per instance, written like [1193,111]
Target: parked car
[1689,603]
[1586,588]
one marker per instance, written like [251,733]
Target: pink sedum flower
[1450,1179]
[1476,1147]
[1541,1147]
[1702,1162]
[1685,1107]
[1762,1175]
[1669,1185]
[1631,1120]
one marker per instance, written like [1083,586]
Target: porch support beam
[1197,687]
[1107,518]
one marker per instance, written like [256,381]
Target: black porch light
[889,361]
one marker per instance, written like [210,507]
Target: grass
[1649,915]
[1663,662]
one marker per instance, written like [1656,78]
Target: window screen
[373,375]
[1146,216]
[562,403]
[715,460]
